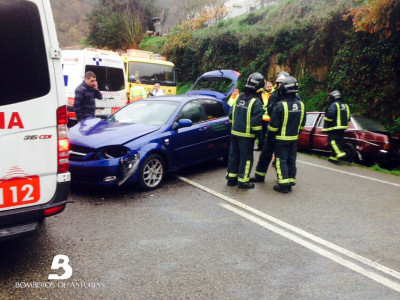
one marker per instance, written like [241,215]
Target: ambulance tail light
[54,210]
[63,141]
[237,73]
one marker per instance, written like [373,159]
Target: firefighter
[137,92]
[337,118]
[246,117]
[267,150]
[287,120]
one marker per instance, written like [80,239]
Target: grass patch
[152,43]
[375,167]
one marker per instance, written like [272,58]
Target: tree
[377,16]
[119,24]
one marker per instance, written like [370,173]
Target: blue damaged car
[148,138]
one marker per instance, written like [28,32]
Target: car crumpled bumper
[106,172]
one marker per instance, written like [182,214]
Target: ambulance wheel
[152,172]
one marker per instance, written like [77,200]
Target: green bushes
[311,40]
[367,70]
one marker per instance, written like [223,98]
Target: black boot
[257,178]
[232,182]
[281,189]
[245,185]
[335,161]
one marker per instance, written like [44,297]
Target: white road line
[348,264]
[348,173]
[298,231]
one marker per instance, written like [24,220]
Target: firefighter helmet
[255,82]
[281,76]
[289,86]
[335,95]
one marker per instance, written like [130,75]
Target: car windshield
[369,124]
[145,112]
[216,84]
[152,73]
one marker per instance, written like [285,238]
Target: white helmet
[281,76]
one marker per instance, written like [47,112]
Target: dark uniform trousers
[335,140]
[265,156]
[285,153]
[240,158]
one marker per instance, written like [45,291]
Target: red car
[365,140]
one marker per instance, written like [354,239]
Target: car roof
[180,98]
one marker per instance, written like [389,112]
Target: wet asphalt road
[335,236]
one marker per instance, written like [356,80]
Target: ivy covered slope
[314,41]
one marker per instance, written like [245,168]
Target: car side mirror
[182,123]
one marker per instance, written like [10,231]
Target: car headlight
[128,166]
[110,152]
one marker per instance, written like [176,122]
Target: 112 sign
[19,191]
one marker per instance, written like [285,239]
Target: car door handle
[202,128]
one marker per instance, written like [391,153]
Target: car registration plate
[19,191]
[114,110]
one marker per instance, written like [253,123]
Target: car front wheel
[152,172]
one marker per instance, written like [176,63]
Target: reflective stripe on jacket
[246,116]
[232,100]
[288,119]
[337,117]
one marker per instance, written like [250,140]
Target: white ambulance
[34,146]
[110,74]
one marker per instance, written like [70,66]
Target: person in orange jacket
[233,97]
[265,95]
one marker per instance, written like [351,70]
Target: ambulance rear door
[110,74]
[31,100]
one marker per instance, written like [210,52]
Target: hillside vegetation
[69,17]
[312,40]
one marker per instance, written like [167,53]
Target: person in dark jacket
[267,149]
[85,95]
[246,117]
[337,118]
[287,121]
